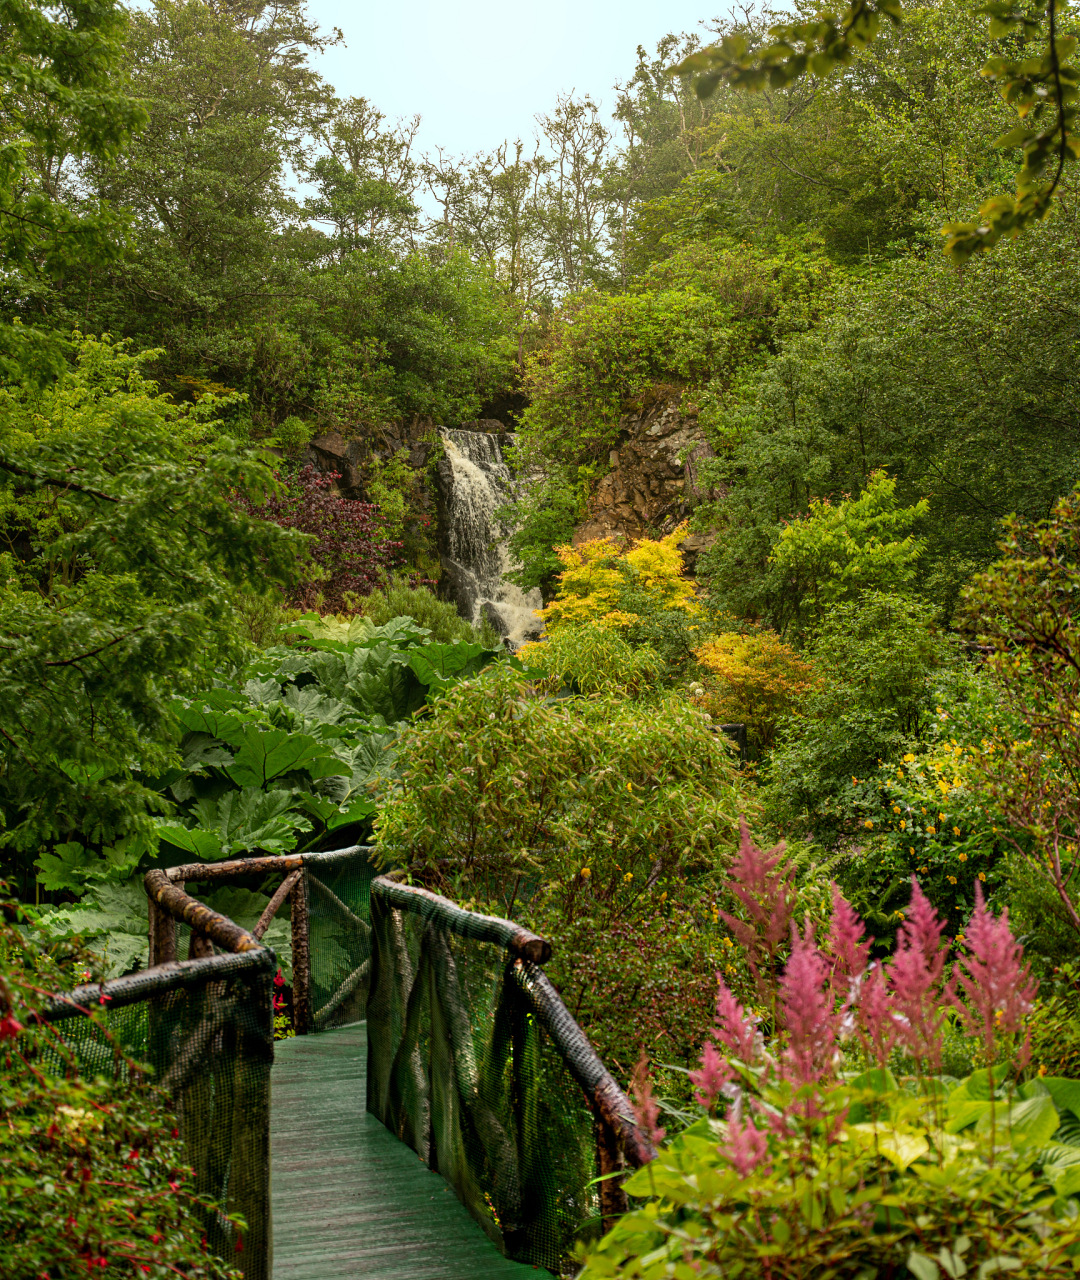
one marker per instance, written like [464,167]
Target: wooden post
[613,1202]
[162,935]
[301,959]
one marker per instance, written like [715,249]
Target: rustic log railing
[473,1058]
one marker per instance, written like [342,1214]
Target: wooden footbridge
[439,1115]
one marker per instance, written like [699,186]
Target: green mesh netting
[206,1032]
[462,1067]
[338,889]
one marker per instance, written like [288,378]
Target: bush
[879,659]
[397,598]
[349,554]
[592,659]
[826,1163]
[91,1172]
[754,679]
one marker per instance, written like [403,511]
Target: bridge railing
[204,1028]
[473,1060]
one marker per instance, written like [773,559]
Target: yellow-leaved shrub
[753,680]
[598,577]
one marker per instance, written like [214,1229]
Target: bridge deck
[349,1200]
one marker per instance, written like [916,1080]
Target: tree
[124,554]
[63,97]
[1043,88]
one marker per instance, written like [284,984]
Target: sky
[478,71]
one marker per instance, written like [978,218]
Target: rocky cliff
[653,481]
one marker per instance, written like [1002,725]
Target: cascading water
[474,481]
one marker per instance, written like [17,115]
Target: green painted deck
[349,1199]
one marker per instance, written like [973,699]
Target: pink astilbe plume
[644,1104]
[711,1076]
[746,1147]
[736,1033]
[767,896]
[850,954]
[920,996]
[875,1022]
[807,1012]
[998,985]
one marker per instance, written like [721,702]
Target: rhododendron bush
[831,1144]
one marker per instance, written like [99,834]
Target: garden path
[349,1199]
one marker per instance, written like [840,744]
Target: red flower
[9,1027]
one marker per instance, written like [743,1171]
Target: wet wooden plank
[349,1200]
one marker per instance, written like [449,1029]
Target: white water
[475,553]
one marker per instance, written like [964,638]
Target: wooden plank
[349,1199]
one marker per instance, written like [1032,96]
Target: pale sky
[478,71]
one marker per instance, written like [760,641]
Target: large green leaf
[265,754]
[1029,1123]
[239,822]
[437,664]
[331,634]
[66,867]
[223,725]
[113,919]
[1066,1093]
[380,683]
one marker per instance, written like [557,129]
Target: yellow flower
[908,758]
[585,873]
[629,786]
[959,939]
[963,857]
[896,808]
[982,876]
[899,915]
[1042,1068]
[628,877]
[903,824]
[951,879]
[663,898]
[956,831]
[922,870]
[728,942]
[854,782]
[911,850]
[868,824]
[929,831]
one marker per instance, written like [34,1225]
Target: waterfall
[474,481]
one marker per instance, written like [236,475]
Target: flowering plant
[826,1163]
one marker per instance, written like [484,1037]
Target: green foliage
[926,814]
[500,785]
[878,659]
[117,591]
[91,1171]
[1043,88]
[835,552]
[962,390]
[593,659]
[397,599]
[66,98]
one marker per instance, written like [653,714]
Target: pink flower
[920,997]
[644,1104]
[807,1011]
[746,1147]
[876,1024]
[850,954]
[712,1076]
[996,981]
[768,900]
[733,1028]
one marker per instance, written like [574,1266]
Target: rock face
[332,452]
[653,479]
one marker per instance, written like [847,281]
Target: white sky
[478,71]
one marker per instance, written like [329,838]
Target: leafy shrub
[836,552]
[592,659]
[501,787]
[753,679]
[347,548]
[397,598]
[91,1172]
[1025,607]
[599,579]
[818,1170]
[879,660]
